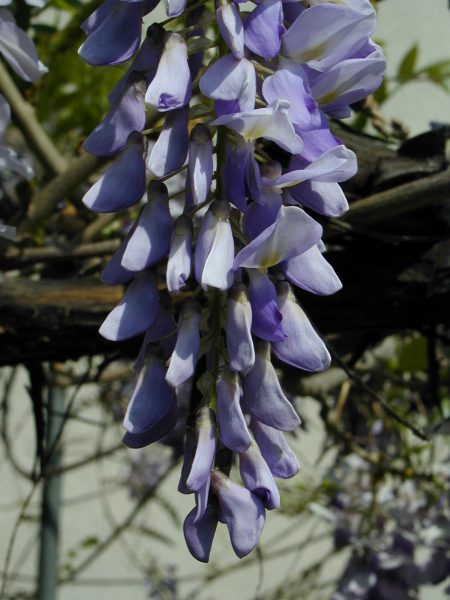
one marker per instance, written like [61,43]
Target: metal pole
[51,493]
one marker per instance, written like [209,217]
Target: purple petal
[325,34]
[302,348]
[199,534]
[184,357]
[171,148]
[316,141]
[200,163]
[116,38]
[205,452]
[266,318]
[230,418]
[162,331]
[348,82]
[264,28]
[146,61]
[337,164]
[124,182]
[325,198]
[166,91]
[312,272]
[214,250]
[152,412]
[179,264]
[279,457]
[135,313]
[241,353]
[18,49]
[150,241]
[189,453]
[5,115]
[98,16]
[126,116]
[235,173]
[114,273]
[230,26]
[290,83]
[231,79]
[10,160]
[293,233]
[272,123]
[264,397]
[243,512]
[257,477]
[261,216]
[174,8]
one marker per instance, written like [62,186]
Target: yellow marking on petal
[312,53]
[327,97]
[271,259]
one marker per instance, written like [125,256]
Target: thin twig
[45,201]
[351,373]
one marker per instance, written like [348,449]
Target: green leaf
[382,93]
[89,542]
[436,72]
[406,70]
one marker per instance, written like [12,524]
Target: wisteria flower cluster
[242,102]
[20,53]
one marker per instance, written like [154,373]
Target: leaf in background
[382,93]
[413,355]
[406,70]
[438,72]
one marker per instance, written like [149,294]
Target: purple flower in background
[211,280]
[19,52]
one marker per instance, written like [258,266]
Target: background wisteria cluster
[241,101]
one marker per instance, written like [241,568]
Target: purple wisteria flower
[212,282]
[19,52]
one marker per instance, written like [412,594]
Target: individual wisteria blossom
[212,282]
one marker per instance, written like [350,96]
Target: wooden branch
[15,258]
[59,319]
[401,199]
[44,202]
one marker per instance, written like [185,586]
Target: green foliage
[74,97]
[412,355]
[406,70]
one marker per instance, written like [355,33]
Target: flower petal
[240,348]
[291,234]
[150,240]
[312,272]
[170,150]
[135,313]
[281,460]
[152,412]
[302,348]
[166,91]
[243,512]
[264,397]
[185,355]
[230,418]
[124,182]
[230,79]
[264,28]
